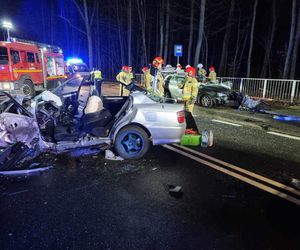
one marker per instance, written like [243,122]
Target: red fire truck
[27,66]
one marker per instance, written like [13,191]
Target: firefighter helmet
[179,66]
[144,69]
[200,66]
[157,61]
[211,68]
[190,71]
[187,66]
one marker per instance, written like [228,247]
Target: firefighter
[212,77]
[147,79]
[201,72]
[187,66]
[190,89]
[178,68]
[125,78]
[97,76]
[158,83]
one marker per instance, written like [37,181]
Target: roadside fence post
[293,91]
[265,88]
[241,85]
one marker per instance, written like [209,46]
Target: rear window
[30,57]
[3,56]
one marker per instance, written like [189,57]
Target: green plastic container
[190,140]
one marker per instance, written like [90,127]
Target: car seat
[95,118]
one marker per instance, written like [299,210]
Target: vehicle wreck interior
[77,116]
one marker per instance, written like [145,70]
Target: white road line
[244,171]
[284,135]
[237,176]
[228,123]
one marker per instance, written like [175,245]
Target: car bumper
[168,135]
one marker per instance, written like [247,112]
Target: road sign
[178,51]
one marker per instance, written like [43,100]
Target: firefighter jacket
[190,89]
[212,76]
[202,73]
[160,85]
[148,80]
[124,77]
[97,75]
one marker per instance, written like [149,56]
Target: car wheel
[28,88]
[132,142]
[207,101]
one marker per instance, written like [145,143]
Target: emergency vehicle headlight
[7,86]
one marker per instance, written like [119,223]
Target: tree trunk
[161,21]
[142,17]
[120,34]
[200,32]
[237,45]
[191,32]
[251,40]
[167,32]
[129,31]
[291,41]
[88,34]
[296,45]
[223,61]
[269,43]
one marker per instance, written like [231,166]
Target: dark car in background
[209,95]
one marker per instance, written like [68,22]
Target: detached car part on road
[210,94]
[71,118]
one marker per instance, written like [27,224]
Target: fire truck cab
[27,66]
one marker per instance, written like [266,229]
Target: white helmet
[200,65]
[187,66]
[168,66]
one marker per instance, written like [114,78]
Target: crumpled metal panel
[17,128]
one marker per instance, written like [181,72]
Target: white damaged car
[72,118]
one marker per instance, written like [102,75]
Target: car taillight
[180,116]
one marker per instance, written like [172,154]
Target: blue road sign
[178,51]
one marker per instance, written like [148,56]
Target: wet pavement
[93,203]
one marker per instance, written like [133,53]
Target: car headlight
[221,95]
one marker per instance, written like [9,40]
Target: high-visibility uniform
[126,78]
[212,76]
[160,84]
[190,92]
[97,75]
[147,81]
[202,74]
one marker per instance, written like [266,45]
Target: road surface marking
[238,176]
[244,171]
[284,135]
[227,123]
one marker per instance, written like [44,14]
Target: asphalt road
[93,203]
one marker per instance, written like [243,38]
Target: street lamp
[8,26]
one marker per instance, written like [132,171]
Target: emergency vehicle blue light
[74,60]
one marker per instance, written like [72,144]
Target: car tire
[207,101]
[132,142]
[27,88]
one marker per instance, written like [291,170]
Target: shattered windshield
[69,86]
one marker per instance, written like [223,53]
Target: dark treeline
[249,38]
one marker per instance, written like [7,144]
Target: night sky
[40,20]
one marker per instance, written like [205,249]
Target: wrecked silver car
[73,117]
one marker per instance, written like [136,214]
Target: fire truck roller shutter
[27,86]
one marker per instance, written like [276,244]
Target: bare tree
[129,31]
[296,45]
[223,61]
[251,39]
[291,41]
[200,32]
[161,24]
[269,43]
[141,7]
[167,32]
[191,31]
[119,22]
